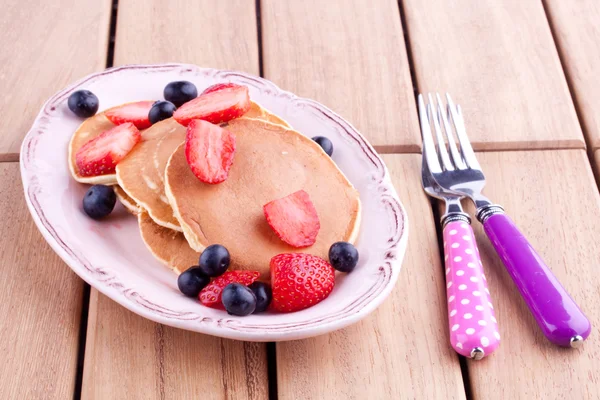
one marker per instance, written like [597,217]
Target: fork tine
[429,152]
[459,125]
[456,157]
[445,157]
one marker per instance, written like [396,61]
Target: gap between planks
[83,324]
[9,157]
[435,211]
[82,340]
[271,346]
[14,157]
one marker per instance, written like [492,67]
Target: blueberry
[343,256]
[263,294]
[180,92]
[161,110]
[214,260]
[325,144]
[192,281]
[99,201]
[238,299]
[83,103]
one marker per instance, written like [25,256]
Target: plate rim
[133,301]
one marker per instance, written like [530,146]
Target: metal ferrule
[477,353]
[576,341]
[455,216]
[483,213]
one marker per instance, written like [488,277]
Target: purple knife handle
[556,313]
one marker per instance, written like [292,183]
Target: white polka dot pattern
[470,311]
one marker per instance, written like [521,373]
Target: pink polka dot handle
[473,327]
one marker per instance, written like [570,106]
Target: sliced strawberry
[100,155]
[217,106]
[294,219]
[210,296]
[220,86]
[300,281]
[209,151]
[136,113]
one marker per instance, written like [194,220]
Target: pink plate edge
[128,300]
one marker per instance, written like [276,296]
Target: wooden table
[527,74]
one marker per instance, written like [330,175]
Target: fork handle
[559,317]
[473,327]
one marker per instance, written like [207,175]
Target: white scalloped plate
[111,256]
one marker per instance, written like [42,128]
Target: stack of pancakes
[179,216]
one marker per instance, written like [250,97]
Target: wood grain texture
[577,34]
[45,46]
[129,357]
[349,55]
[402,350]
[40,305]
[554,200]
[498,60]
[217,34]
[126,355]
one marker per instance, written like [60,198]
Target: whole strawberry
[300,281]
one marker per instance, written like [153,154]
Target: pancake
[88,130]
[270,162]
[257,111]
[141,173]
[276,120]
[168,246]
[129,204]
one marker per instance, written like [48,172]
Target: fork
[458,171]
[473,326]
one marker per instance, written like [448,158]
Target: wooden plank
[40,305]
[217,34]
[355,65]
[577,34]
[402,350]
[537,190]
[45,46]
[498,60]
[126,355]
